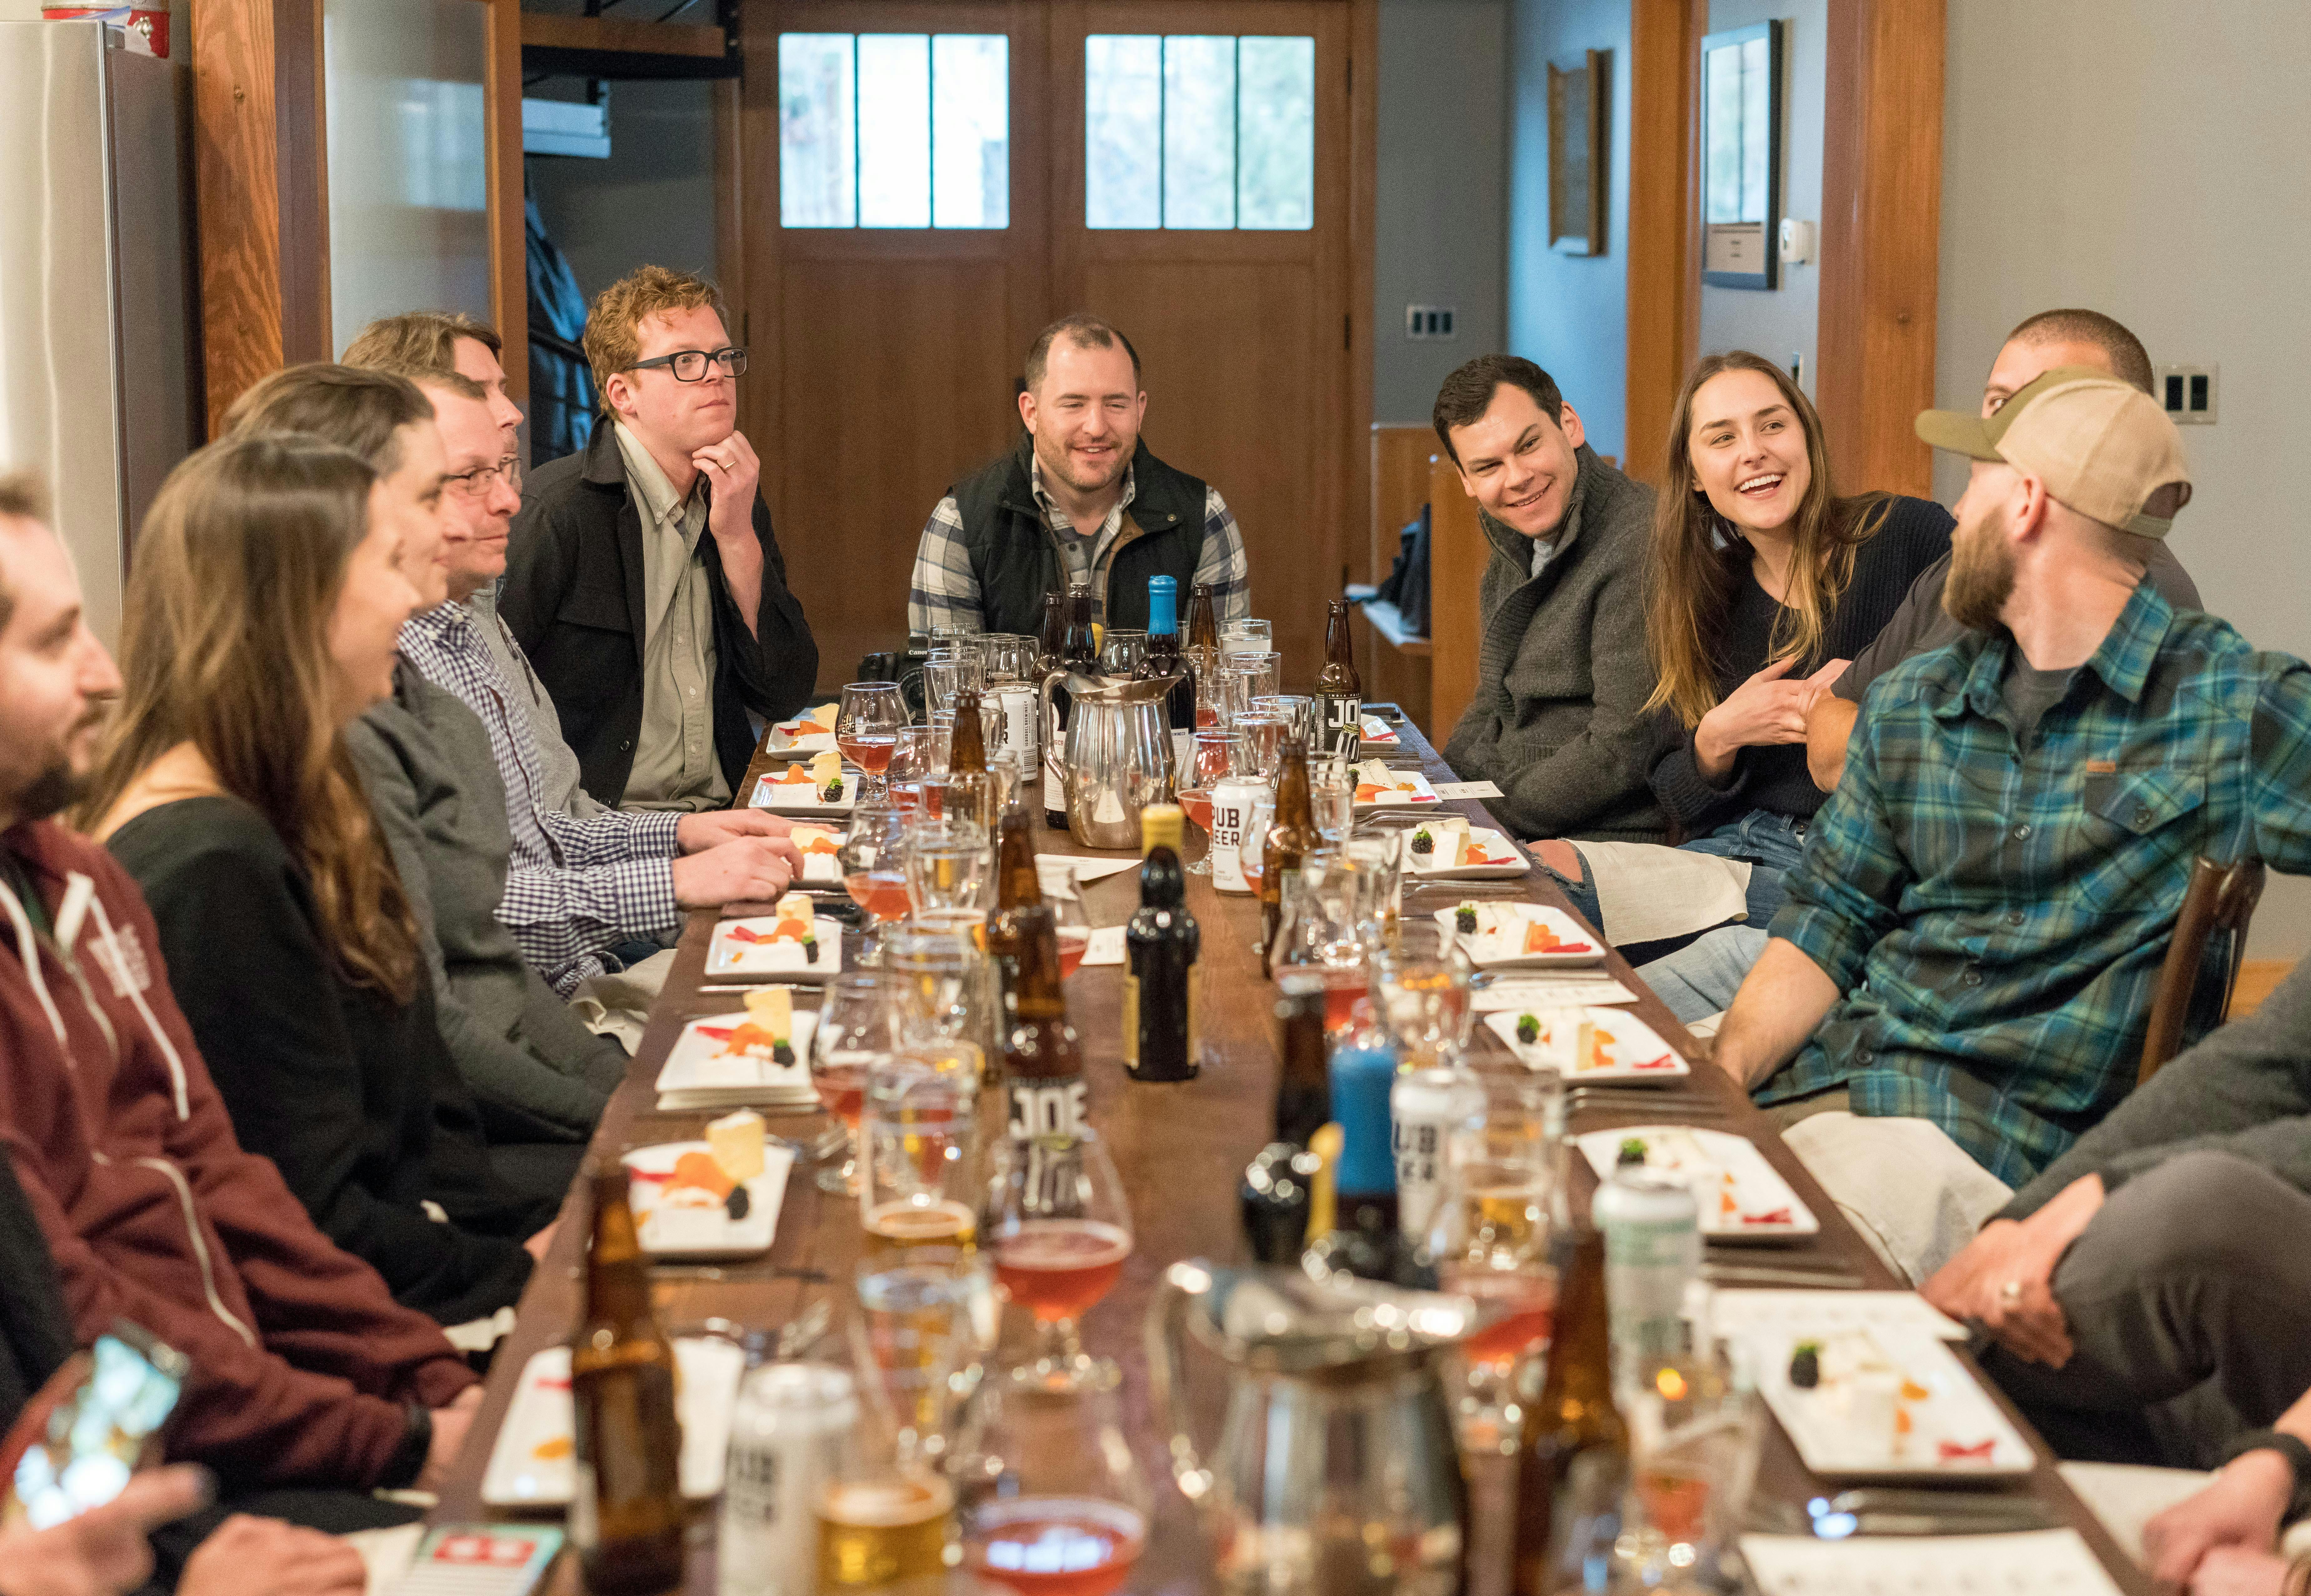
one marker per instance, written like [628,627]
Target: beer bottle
[1051,643]
[1573,1458]
[1203,618]
[1042,1062]
[1017,885]
[1339,690]
[1079,651]
[1367,1239]
[966,748]
[1291,839]
[1303,1085]
[626,1515]
[1163,655]
[1161,941]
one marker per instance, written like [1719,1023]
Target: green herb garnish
[1528,1028]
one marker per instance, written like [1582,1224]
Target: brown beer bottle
[626,1516]
[1290,840]
[1572,1461]
[1052,640]
[966,748]
[1339,690]
[1203,619]
[1042,1062]
[1018,886]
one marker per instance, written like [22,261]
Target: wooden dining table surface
[1181,1151]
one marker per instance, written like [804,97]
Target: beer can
[1651,1226]
[1424,1108]
[787,1434]
[1231,807]
[1021,714]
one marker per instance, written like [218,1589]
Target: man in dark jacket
[1562,673]
[1080,499]
[643,579]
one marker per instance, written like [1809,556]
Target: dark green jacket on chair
[1562,671]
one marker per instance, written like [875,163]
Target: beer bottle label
[1132,1020]
[1343,715]
[1048,1107]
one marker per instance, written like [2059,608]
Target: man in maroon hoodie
[304,1371]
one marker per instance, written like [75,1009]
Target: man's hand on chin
[733,470]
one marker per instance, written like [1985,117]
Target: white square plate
[1377,733]
[531,1464]
[817,845]
[1946,1425]
[1499,941]
[1739,1195]
[1629,1049]
[1502,860]
[787,739]
[702,1071]
[733,954]
[680,1230]
[801,797]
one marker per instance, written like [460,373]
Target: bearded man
[1958,984]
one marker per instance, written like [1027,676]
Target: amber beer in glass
[626,1515]
[879,1531]
[1573,1459]
[1290,840]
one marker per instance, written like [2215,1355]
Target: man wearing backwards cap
[1958,986]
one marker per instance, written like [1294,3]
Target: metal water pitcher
[1335,1473]
[1118,758]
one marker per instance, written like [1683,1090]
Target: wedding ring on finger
[2010,1295]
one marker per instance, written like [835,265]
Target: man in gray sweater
[1562,672]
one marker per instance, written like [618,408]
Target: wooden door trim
[1881,240]
[1664,274]
[508,202]
[1364,206]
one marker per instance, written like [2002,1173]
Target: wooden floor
[2256,978]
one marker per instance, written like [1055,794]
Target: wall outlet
[1428,321]
[2188,393]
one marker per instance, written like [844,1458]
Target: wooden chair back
[2202,961]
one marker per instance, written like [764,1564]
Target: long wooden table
[1182,1150]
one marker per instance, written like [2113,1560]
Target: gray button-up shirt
[675,762]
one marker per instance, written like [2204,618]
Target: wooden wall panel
[1664,275]
[509,237]
[1881,239]
[1400,479]
[1457,553]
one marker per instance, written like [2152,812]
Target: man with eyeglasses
[643,579]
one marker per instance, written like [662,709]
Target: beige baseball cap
[2100,444]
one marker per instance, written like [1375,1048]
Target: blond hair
[426,340]
[612,340]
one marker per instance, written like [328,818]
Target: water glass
[1490,1238]
[1697,1429]
[1120,650]
[856,1031]
[944,676]
[1298,709]
[1214,754]
[947,863]
[913,1331]
[1381,858]
[1247,634]
[1332,798]
[1010,658]
[1262,672]
[1422,974]
[1263,741]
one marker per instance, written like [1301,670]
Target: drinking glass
[1695,1430]
[873,872]
[938,987]
[1120,650]
[1050,1499]
[1423,975]
[866,731]
[1263,741]
[1259,815]
[1010,657]
[917,1186]
[1490,1239]
[947,863]
[1060,1227]
[1381,858]
[887,1516]
[945,676]
[914,755]
[856,1031]
[1333,798]
[1212,759]
[1219,693]
[1262,672]
[1247,634]
[1298,709]
[1071,925]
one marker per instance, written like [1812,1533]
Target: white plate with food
[820,785]
[1450,849]
[793,942]
[820,847]
[532,1463]
[1377,733]
[1741,1196]
[728,1061]
[1513,936]
[1381,787]
[713,1199]
[809,733]
[1588,1044]
[1884,1404]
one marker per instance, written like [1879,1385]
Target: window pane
[816,163]
[1123,135]
[895,130]
[1275,170]
[1756,139]
[1198,130]
[1722,190]
[971,130]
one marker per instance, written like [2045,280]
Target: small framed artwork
[1741,155]
[1576,155]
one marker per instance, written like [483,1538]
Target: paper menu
[1567,993]
[1737,1313]
[2035,1563]
[1465,789]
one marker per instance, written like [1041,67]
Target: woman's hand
[1762,711]
[2231,1571]
[2238,1511]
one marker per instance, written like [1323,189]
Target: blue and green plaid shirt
[1996,918]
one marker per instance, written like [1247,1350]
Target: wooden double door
[885,360]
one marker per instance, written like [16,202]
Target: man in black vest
[1080,499]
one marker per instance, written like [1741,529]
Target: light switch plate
[2188,393]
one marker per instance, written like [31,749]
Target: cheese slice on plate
[737,1140]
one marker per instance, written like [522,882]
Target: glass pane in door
[817,165]
[1198,130]
[971,130]
[1124,130]
[895,130]
[1276,168]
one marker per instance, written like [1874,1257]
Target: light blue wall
[1568,313]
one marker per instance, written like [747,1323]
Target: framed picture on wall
[1741,155]
[1576,156]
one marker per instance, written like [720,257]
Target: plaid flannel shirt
[574,888]
[945,591]
[1997,918]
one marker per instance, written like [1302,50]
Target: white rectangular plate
[1377,733]
[1954,1430]
[2042,1562]
[702,1070]
[1741,1196]
[788,740]
[817,845]
[730,956]
[1631,1049]
[1498,941]
[531,1466]
[801,797]
[676,1230]
[1504,860]
[1405,790]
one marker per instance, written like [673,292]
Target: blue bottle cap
[1361,1080]
[1162,605]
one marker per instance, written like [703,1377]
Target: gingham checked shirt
[1996,917]
[574,888]
[946,591]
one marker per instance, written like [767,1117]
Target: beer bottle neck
[617,1272]
[1017,882]
[1292,802]
[1163,884]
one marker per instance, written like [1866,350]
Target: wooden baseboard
[2256,976]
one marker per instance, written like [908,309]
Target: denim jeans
[1772,844]
[1700,979]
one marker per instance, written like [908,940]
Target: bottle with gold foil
[626,1515]
[1573,1458]
[1291,839]
[1160,942]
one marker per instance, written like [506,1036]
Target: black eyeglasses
[689,365]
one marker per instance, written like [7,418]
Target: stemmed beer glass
[867,729]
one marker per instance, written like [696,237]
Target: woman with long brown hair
[261,615]
[1762,584]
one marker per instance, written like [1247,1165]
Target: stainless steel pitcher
[1118,756]
[1336,1473]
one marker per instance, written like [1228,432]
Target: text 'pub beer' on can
[786,1446]
[1424,1108]
[1651,1227]
[1231,807]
